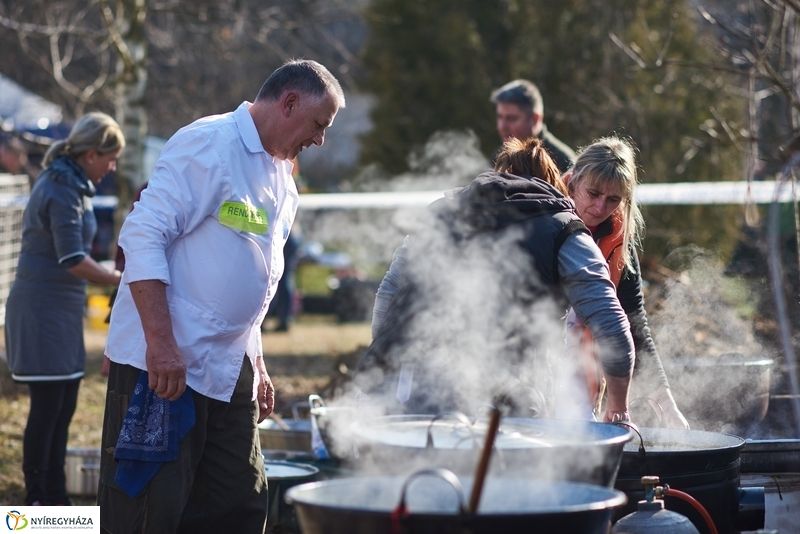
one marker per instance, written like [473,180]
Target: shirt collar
[68,169]
[247,128]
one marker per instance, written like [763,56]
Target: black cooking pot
[281,476]
[771,456]
[432,502]
[702,464]
[545,449]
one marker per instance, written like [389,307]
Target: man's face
[307,119]
[515,121]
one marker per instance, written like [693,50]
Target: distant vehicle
[328,283]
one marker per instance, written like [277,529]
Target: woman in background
[602,184]
[45,307]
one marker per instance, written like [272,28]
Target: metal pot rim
[300,494]
[724,442]
[599,437]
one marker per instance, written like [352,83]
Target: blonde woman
[45,307]
[602,184]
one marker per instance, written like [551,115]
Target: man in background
[520,114]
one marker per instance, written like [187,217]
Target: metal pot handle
[631,426]
[401,510]
[439,472]
[459,417]
[315,401]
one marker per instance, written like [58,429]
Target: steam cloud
[473,333]
[718,371]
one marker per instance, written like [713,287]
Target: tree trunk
[129,93]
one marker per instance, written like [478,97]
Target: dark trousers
[44,446]
[217,483]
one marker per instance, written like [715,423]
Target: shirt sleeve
[65,214]
[588,288]
[181,193]
[648,361]
[388,287]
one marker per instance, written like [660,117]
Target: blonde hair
[612,160]
[94,131]
[529,158]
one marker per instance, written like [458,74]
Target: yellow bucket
[97,311]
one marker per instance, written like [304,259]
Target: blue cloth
[151,434]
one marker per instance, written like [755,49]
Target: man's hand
[266,391]
[165,368]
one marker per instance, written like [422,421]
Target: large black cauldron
[436,506]
[702,464]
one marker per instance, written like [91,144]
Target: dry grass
[301,361]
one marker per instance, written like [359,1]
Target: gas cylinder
[651,517]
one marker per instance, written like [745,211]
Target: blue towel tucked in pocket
[151,434]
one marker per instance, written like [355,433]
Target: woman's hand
[616,409]
[90,270]
[671,416]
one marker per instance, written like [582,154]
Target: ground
[304,360]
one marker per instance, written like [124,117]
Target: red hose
[670,492]
[397,516]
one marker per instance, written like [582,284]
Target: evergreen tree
[631,67]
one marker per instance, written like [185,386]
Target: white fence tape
[689,193]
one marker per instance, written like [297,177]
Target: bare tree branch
[630,52]
[47,29]
[57,65]
[116,38]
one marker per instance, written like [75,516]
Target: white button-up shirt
[211,225]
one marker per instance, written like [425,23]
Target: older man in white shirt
[203,252]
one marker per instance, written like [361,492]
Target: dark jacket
[58,225]
[562,154]
[46,304]
[493,202]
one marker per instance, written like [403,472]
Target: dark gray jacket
[45,307]
[562,154]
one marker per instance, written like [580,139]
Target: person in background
[187,383]
[46,304]
[284,294]
[602,183]
[520,114]
[524,197]
[14,157]
[119,264]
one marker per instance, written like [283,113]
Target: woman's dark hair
[529,158]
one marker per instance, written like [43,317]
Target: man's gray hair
[302,75]
[523,93]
